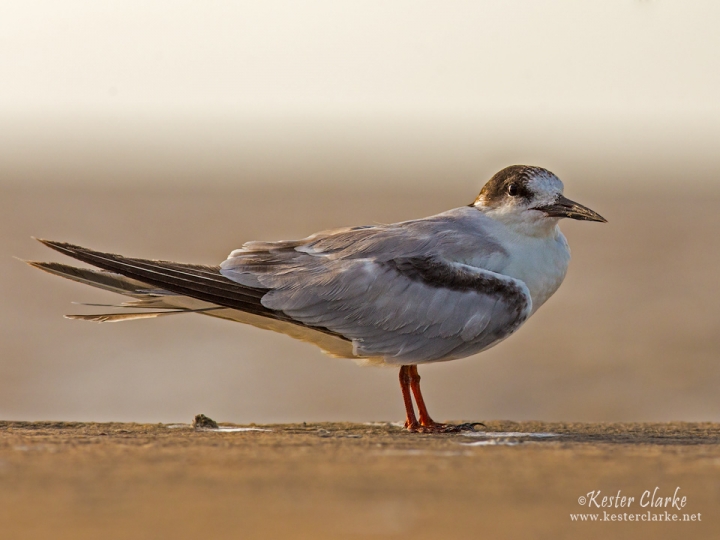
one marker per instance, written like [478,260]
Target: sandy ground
[341,480]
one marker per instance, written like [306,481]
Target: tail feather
[201,282]
[150,280]
[153,302]
[176,288]
[118,317]
[97,278]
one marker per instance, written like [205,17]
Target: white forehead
[545,183]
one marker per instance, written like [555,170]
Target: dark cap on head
[510,181]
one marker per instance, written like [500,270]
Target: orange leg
[425,420]
[410,380]
[411,422]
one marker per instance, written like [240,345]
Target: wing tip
[37,264]
[52,267]
[62,247]
[44,241]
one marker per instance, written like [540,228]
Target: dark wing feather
[197,281]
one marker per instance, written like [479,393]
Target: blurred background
[179,130]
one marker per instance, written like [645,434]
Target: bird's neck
[532,224]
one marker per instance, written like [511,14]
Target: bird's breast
[541,263]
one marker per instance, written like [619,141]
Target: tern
[416,292]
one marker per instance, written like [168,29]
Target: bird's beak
[563,207]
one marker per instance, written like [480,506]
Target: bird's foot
[436,427]
[412,426]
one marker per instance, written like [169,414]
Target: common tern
[416,292]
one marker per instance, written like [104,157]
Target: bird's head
[530,200]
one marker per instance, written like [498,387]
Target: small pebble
[203,422]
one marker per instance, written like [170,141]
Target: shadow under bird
[427,290]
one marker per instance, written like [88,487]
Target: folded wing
[405,309]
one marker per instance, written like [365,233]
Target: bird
[415,292]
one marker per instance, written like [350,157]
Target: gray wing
[391,290]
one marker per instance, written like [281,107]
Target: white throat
[523,222]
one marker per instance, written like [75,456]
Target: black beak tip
[589,217]
[575,210]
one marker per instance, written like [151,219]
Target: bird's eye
[512,190]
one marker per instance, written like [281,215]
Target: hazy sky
[598,56]
[479,62]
